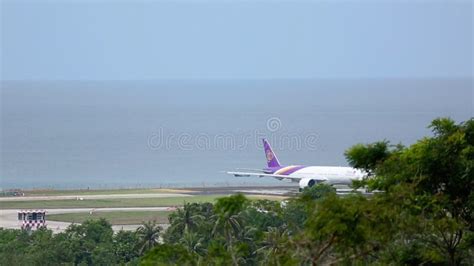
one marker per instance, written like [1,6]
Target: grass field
[79,192]
[106,203]
[114,217]
[116,202]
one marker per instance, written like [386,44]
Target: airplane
[306,176]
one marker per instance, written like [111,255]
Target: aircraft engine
[307,182]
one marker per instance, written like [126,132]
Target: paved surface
[8,218]
[275,192]
[253,190]
[102,196]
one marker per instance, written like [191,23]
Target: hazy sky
[235,39]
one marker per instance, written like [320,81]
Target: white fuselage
[332,174]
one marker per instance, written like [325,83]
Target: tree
[186,218]
[437,173]
[13,246]
[168,254]
[228,222]
[193,243]
[194,218]
[367,157]
[43,247]
[217,253]
[274,247]
[148,233]
[336,228]
[262,214]
[83,240]
[125,245]
[294,214]
[317,192]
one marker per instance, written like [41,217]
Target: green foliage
[188,217]
[217,254]
[43,248]
[295,214]
[274,247]
[229,224]
[262,214]
[91,243]
[368,157]
[125,246]
[430,184]
[317,192]
[335,226]
[192,224]
[148,233]
[231,205]
[167,254]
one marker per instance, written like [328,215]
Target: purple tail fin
[272,160]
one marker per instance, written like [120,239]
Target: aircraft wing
[279,177]
[250,169]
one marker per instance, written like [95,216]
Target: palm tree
[228,221]
[229,226]
[193,243]
[149,234]
[247,234]
[275,243]
[185,219]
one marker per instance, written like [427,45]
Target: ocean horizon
[172,133]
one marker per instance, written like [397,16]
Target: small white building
[32,219]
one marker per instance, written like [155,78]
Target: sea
[188,133]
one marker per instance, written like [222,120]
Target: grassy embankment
[105,203]
[114,217]
[81,192]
